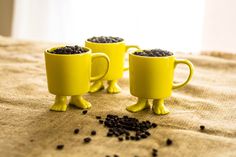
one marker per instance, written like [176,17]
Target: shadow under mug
[116,53]
[152,77]
[69,75]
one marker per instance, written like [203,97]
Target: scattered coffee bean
[202,127]
[154,53]
[93,132]
[116,155]
[69,50]
[85,112]
[76,131]
[105,39]
[60,146]
[98,117]
[120,138]
[154,150]
[122,127]
[169,142]
[87,140]
[154,125]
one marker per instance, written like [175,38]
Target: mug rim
[121,42]
[150,57]
[84,53]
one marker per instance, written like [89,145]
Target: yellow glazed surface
[69,75]
[152,77]
[116,53]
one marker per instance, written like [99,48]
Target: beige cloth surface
[28,128]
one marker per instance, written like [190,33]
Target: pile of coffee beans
[105,39]
[126,128]
[69,50]
[154,53]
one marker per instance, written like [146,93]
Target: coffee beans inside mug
[154,53]
[105,39]
[69,50]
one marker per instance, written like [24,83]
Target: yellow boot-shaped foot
[113,87]
[80,102]
[139,106]
[159,107]
[96,86]
[60,104]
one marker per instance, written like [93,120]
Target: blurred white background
[176,25]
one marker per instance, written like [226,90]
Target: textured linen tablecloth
[28,128]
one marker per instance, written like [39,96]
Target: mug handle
[126,49]
[100,55]
[191,70]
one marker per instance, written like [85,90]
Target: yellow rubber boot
[113,87]
[139,106]
[59,104]
[80,102]
[96,86]
[159,107]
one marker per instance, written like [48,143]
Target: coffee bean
[202,127]
[93,132]
[76,131]
[85,112]
[120,139]
[154,125]
[169,142]
[154,150]
[69,50]
[154,53]
[116,155]
[101,121]
[87,140]
[105,39]
[154,154]
[60,146]
[98,117]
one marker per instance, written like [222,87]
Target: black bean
[76,131]
[60,146]
[93,132]
[169,142]
[87,140]
[85,112]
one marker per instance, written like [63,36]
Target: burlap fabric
[28,128]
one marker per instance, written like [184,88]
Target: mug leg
[96,86]
[59,104]
[159,107]
[80,102]
[113,87]
[139,106]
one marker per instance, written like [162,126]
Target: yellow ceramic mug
[116,53]
[152,78]
[70,75]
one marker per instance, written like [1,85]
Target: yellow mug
[116,53]
[70,75]
[152,78]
